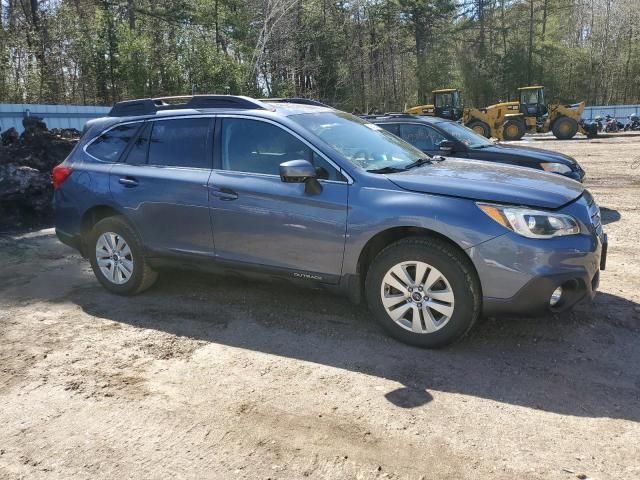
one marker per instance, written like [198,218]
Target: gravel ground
[212,377]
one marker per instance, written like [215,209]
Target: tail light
[59,174]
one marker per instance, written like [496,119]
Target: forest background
[357,55]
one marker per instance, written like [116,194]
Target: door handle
[223,193]
[128,182]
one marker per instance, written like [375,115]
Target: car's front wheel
[117,257]
[423,292]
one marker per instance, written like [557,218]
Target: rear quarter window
[140,147]
[391,128]
[109,146]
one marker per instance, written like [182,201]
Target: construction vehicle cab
[447,103]
[532,101]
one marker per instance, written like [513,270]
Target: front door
[422,137]
[260,220]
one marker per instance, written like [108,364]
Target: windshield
[529,97]
[444,100]
[465,135]
[362,143]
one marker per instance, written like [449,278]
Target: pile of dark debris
[26,161]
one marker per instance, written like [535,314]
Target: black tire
[480,127]
[565,128]
[513,129]
[452,264]
[141,278]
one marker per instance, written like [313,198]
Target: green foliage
[359,55]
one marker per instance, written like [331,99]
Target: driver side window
[421,136]
[259,147]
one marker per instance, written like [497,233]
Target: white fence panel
[619,112]
[55,116]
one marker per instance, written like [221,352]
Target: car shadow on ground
[582,363]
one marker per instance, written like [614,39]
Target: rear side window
[391,128]
[109,146]
[180,143]
[138,153]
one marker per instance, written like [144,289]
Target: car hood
[490,182]
[530,153]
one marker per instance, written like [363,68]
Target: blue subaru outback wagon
[297,189]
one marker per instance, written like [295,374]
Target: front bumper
[578,175]
[518,275]
[533,298]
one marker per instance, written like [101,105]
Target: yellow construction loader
[509,120]
[500,121]
[563,120]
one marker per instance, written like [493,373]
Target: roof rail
[133,107]
[390,114]
[298,100]
[400,114]
[150,106]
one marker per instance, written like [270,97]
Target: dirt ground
[212,377]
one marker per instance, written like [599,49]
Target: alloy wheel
[114,258]
[417,296]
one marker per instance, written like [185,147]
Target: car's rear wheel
[117,257]
[423,292]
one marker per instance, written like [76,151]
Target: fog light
[555,297]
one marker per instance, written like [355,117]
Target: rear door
[260,220]
[105,151]
[162,185]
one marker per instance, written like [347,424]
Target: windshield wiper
[417,163]
[420,161]
[386,170]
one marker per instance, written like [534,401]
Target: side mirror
[301,171]
[296,171]
[446,146]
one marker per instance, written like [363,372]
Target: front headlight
[556,168]
[531,223]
